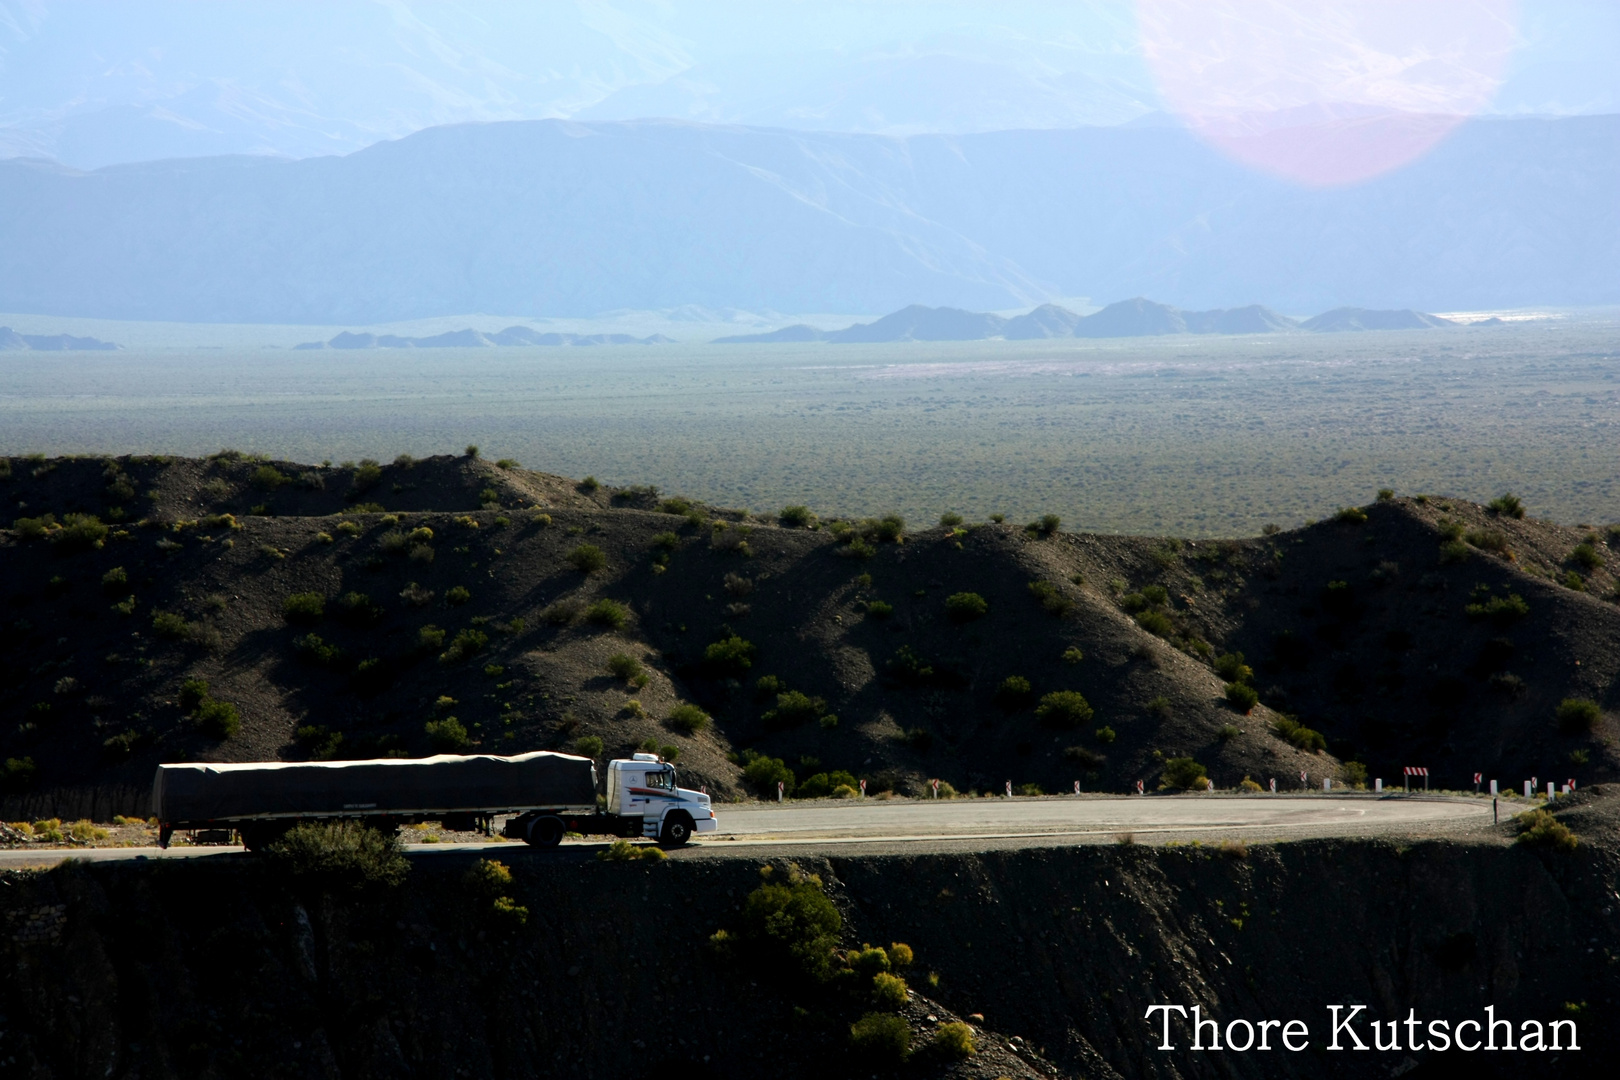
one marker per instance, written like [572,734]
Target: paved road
[967,824]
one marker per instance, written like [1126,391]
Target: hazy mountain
[557,218]
[473,339]
[1046,321]
[10,339]
[1349,318]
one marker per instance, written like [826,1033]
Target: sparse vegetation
[343,854]
[1242,697]
[966,606]
[1184,774]
[1290,730]
[730,655]
[797,517]
[1053,599]
[303,607]
[587,558]
[588,746]
[607,613]
[1539,828]
[1507,505]
[1578,716]
[447,735]
[1064,709]
[688,719]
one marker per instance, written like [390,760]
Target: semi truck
[543,795]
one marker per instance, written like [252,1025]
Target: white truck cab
[643,787]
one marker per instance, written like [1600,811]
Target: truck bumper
[706,825]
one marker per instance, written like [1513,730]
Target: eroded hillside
[453,603]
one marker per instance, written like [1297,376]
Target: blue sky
[93,82]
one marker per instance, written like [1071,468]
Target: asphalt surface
[878,826]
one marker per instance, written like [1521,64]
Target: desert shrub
[1073,655]
[320,742]
[1354,774]
[17,773]
[732,655]
[688,719]
[1500,609]
[1105,735]
[792,927]
[561,613]
[1053,600]
[218,719]
[587,558]
[304,607]
[1014,691]
[1226,733]
[954,1041]
[1538,828]
[588,746]
[965,607]
[193,692]
[356,609]
[267,478]
[1064,709]
[1453,551]
[1231,668]
[589,484]
[794,708]
[624,666]
[1577,716]
[737,585]
[1290,730]
[466,644]
[1487,540]
[883,1038]
[394,542]
[1586,556]
[349,528]
[340,854]
[888,528]
[430,638]
[80,532]
[624,851]
[768,686]
[764,773]
[115,582]
[1183,773]
[1351,515]
[169,625]
[36,528]
[877,609]
[823,784]
[1385,494]
[457,595]
[1249,785]
[1450,530]
[608,613]
[1046,525]
[1507,505]
[1573,580]
[1084,757]
[797,517]
[950,520]
[869,960]
[1242,697]
[666,541]
[888,991]
[1156,623]
[447,735]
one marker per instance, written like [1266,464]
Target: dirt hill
[452,603]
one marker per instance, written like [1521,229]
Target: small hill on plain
[453,603]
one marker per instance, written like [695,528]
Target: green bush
[954,1041]
[342,854]
[688,719]
[792,927]
[1487,540]
[624,666]
[1231,668]
[1577,716]
[304,607]
[888,991]
[193,692]
[1183,773]
[1351,515]
[1291,731]
[965,607]
[1453,551]
[36,528]
[1084,757]
[1157,623]
[888,528]
[587,558]
[166,624]
[429,638]
[1586,556]
[730,656]
[1540,829]
[1054,601]
[1507,505]
[1354,774]
[764,773]
[666,541]
[1242,697]
[608,613]
[624,851]
[218,719]
[1046,526]
[797,517]
[1226,733]
[1502,609]
[267,478]
[1014,691]
[1073,655]
[823,784]
[1064,709]
[80,532]
[877,609]
[588,746]
[1105,735]
[883,1038]
[950,520]
[794,708]
[457,595]
[447,736]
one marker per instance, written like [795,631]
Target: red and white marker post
[1417,770]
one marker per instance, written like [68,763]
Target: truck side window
[664,781]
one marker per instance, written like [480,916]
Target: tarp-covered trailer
[545,795]
[262,799]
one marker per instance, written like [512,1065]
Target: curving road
[984,824]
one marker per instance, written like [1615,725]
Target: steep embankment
[229,967]
[482,607]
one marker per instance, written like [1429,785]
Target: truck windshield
[664,781]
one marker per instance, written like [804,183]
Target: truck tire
[545,831]
[677,829]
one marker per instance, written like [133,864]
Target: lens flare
[1326,92]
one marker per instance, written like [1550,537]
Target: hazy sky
[98,81]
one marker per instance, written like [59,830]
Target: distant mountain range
[1128,318]
[473,339]
[10,339]
[554,218]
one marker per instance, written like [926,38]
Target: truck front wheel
[545,831]
[677,829]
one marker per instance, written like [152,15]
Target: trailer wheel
[545,831]
[677,829]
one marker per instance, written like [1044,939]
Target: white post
[1009,789]
[1406,781]
[1077,787]
[1564,790]
[779,791]
[1493,789]
[1274,785]
[863,789]
[1209,784]
[1139,787]
[1527,789]
[1378,785]
[936,789]
[1550,791]
[1425,779]
[1327,783]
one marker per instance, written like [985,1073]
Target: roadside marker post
[1304,780]
[863,789]
[1527,788]
[1209,784]
[1550,792]
[1572,784]
[1563,791]
[779,791]
[1327,783]
[1496,817]
[1493,789]
[1009,789]
[1139,787]
[1077,787]
[1477,778]
[1535,785]
[1378,785]
[936,789]
[1417,770]
[1274,785]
